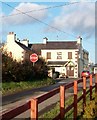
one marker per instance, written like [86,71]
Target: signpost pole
[33,64]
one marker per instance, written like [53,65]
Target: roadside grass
[51,113]
[13,87]
[89,109]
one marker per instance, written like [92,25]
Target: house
[95,68]
[66,57]
[17,49]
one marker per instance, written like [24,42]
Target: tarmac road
[30,93]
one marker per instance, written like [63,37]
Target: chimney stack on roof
[79,40]
[25,42]
[11,37]
[11,33]
[45,40]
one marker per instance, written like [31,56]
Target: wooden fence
[33,103]
[64,110]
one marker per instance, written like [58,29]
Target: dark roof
[84,50]
[37,48]
[55,45]
[24,47]
[61,45]
[95,65]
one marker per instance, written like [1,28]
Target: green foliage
[14,71]
[51,112]
[90,107]
[90,110]
[88,114]
[12,87]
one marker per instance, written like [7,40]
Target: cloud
[21,19]
[78,18]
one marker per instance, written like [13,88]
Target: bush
[14,71]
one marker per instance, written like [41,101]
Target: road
[14,100]
[33,92]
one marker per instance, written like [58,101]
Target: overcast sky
[55,20]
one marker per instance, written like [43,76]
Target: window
[59,55]
[48,55]
[85,56]
[69,55]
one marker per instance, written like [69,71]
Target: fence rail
[48,95]
[64,110]
[15,111]
[33,103]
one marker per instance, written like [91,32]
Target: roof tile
[55,45]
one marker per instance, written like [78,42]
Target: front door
[70,70]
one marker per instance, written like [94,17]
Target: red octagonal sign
[33,57]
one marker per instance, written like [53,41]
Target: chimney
[25,42]
[79,40]
[11,33]
[45,40]
[11,37]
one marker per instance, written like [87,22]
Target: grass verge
[89,109]
[12,87]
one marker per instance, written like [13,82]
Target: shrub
[14,71]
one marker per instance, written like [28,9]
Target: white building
[66,57]
[17,49]
[95,69]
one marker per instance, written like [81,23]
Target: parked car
[62,75]
[85,73]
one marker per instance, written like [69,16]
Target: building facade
[95,68]
[17,49]
[66,57]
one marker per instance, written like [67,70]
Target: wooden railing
[77,99]
[15,111]
[33,103]
[38,100]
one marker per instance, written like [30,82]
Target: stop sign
[33,57]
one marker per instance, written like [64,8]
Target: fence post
[34,109]
[91,81]
[62,101]
[75,100]
[96,96]
[84,93]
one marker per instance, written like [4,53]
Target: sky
[63,20]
